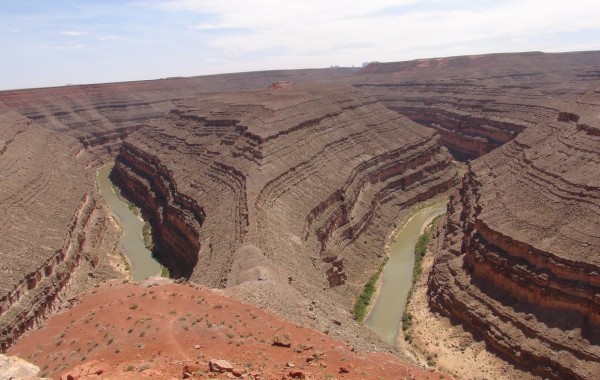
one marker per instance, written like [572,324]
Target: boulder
[220,365]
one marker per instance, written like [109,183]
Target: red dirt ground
[152,331]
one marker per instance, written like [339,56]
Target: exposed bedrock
[51,227]
[56,236]
[101,116]
[478,103]
[308,178]
[175,218]
[520,264]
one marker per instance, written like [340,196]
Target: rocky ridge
[519,264]
[261,193]
[478,103]
[52,225]
[58,236]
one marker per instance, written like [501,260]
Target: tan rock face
[12,367]
[285,195]
[521,264]
[220,365]
[55,234]
[52,225]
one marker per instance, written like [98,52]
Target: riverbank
[390,239]
[387,307]
[437,342]
[131,244]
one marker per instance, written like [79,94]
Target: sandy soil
[449,347]
[154,330]
[117,260]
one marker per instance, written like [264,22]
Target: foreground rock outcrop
[478,103]
[520,264]
[161,330]
[14,368]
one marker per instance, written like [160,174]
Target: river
[131,242]
[396,280]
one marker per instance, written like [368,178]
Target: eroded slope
[57,235]
[477,103]
[520,264]
[51,224]
[160,330]
[285,196]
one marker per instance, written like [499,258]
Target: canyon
[519,260]
[478,103]
[281,189]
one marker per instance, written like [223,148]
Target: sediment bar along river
[131,242]
[396,280]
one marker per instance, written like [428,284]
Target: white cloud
[324,28]
[72,33]
[210,26]
[215,36]
[110,37]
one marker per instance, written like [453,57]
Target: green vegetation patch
[164,271]
[362,303]
[420,251]
[147,234]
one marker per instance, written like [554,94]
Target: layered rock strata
[520,264]
[51,224]
[56,234]
[101,116]
[296,187]
[477,103]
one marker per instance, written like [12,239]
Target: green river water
[131,242]
[396,280]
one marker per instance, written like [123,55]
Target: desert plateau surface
[270,201]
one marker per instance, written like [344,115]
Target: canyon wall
[57,236]
[520,263]
[477,103]
[51,225]
[101,116]
[284,195]
[294,188]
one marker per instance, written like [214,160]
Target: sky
[58,42]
